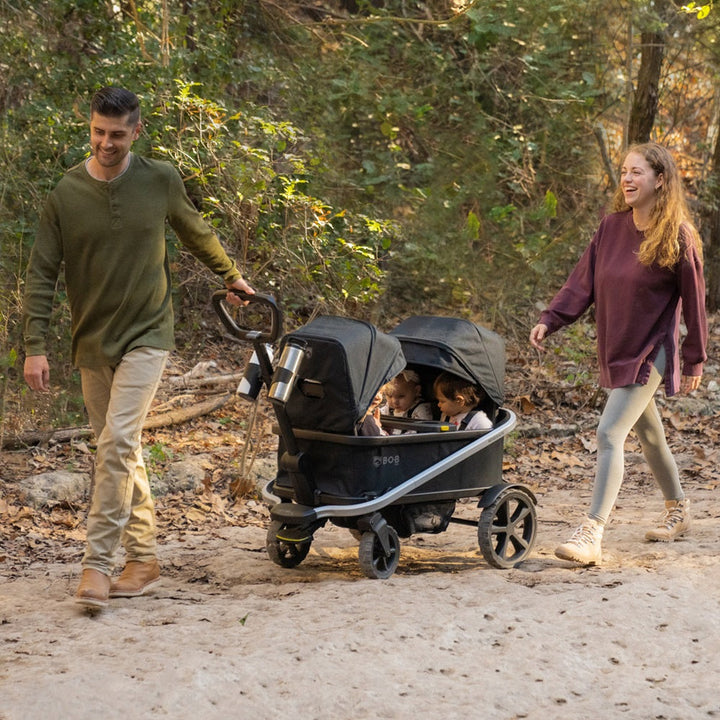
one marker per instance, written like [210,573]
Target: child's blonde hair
[409,376]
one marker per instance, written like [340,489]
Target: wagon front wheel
[507,527]
[375,561]
[284,552]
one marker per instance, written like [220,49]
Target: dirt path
[230,634]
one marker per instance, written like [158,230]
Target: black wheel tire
[284,553]
[373,560]
[507,528]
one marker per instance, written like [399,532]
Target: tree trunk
[712,265]
[712,231]
[187,11]
[657,23]
[645,102]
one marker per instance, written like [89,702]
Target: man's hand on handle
[238,284]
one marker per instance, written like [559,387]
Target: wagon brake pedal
[376,523]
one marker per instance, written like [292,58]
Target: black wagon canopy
[346,362]
[456,345]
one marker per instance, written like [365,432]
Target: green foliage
[248,174]
[246,168]
[158,454]
[442,126]
[408,157]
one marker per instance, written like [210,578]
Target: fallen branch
[183,381]
[45,437]
[61,435]
[181,415]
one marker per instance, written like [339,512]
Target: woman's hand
[537,335]
[688,383]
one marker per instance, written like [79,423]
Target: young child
[458,401]
[404,397]
[370,424]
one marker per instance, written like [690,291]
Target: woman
[643,266]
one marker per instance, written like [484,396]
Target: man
[105,220]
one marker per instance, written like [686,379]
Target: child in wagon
[370,424]
[404,397]
[458,401]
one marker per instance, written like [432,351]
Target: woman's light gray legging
[628,408]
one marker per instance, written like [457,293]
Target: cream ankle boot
[674,522]
[584,545]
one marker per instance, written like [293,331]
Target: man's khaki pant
[121,509]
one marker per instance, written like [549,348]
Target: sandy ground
[230,634]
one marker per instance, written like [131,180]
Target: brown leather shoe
[93,589]
[135,579]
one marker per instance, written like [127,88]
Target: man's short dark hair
[116,102]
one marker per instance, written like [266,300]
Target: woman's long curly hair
[671,230]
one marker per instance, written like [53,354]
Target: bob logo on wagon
[379,462]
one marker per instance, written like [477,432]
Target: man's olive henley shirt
[111,238]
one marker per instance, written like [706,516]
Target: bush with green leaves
[247,172]
[468,134]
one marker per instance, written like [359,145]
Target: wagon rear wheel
[507,527]
[375,562]
[283,552]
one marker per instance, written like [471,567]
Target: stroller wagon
[385,487]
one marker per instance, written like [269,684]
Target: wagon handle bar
[249,334]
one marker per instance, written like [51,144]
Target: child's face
[449,406]
[377,401]
[402,395]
